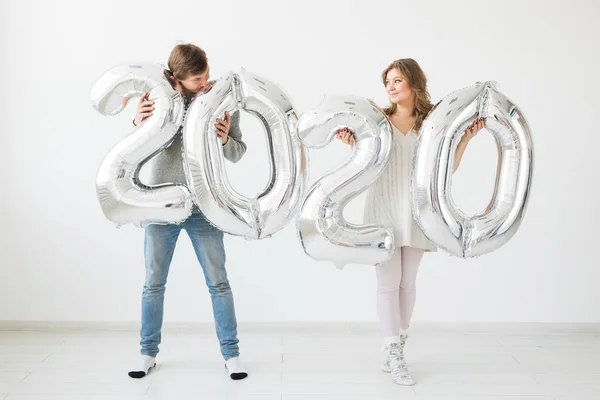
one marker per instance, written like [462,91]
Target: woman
[389,204]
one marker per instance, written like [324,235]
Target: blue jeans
[159,245]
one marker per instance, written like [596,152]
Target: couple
[388,204]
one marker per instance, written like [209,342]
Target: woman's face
[397,87]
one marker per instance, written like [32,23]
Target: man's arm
[234,148]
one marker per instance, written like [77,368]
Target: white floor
[494,362]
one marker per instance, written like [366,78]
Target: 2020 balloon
[322,230]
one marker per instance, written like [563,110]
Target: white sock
[391,339]
[142,367]
[236,369]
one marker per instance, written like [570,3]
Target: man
[189,73]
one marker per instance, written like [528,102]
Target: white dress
[388,199]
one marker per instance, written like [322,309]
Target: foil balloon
[323,232]
[433,208]
[223,206]
[123,197]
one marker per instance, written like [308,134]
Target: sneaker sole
[140,374]
[236,376]
[404,383]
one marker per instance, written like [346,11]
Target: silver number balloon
[228,210]
[323,232]
[433,208]
[124,199]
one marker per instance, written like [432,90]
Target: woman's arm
[469,134]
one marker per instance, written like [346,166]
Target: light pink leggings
[396,290]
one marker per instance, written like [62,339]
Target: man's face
[195,84]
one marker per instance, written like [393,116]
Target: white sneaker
[398,368]
[236,369]
[143,366]
[385,367]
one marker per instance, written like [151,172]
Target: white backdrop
[63,261]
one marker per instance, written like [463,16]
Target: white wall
[62,260]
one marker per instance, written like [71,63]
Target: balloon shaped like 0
[231,212]
[433,208]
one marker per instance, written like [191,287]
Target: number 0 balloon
[231,212]
[441,221]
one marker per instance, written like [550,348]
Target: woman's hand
[470,133]
[474,129]
[346,136]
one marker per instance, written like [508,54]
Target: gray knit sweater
[167,166]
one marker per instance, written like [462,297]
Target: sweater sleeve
[235,147]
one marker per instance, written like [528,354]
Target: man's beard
[188,95]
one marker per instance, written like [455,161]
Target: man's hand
[222,126]
[144,109]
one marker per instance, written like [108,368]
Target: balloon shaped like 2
[270,210]
[323,232]
[433,208]
[123,197]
